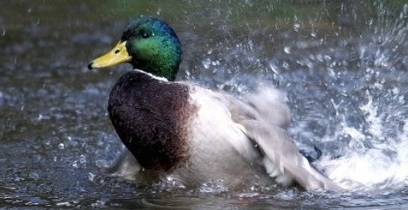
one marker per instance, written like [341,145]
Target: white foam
[381,165]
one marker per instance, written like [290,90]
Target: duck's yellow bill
[114,57]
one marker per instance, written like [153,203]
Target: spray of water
[372,135]
[348,98]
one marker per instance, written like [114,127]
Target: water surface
[342,64]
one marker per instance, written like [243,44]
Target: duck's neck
[158,78]
[166,66]
[152,117]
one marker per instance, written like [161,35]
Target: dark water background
[342,64]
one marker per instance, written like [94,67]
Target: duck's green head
[149,44]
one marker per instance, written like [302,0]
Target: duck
[180,131]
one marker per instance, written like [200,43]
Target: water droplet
[206,63]
[287,50]
[82,159]
[75,164]
[285,65]
[91,177]
[313,34]
[296,27]
[273,67]
[327,58]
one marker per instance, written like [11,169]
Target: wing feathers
[264,117]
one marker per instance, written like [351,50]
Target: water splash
[347,95]
[372,135]
[370,162]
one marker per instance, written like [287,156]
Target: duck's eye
[144,34]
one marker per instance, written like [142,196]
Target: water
[342,65]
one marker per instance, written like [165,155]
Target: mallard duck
[191,134]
